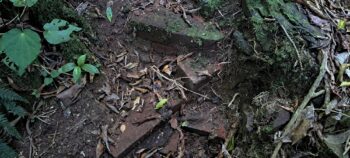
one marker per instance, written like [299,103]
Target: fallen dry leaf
[166,69]
[142,90]
[123,128]
[204,73]
[136,103]
[100,148]
[104,135]
[173,122]
[131,65]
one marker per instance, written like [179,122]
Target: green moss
[208,33]
[73,49]
[174,26]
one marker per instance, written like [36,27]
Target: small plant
[23,45]
[8,105]
[77,69]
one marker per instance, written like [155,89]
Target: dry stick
[295,47]
[181,87]
[306,100]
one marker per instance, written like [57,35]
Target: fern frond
[6,151]
[6,126]
[11,107]
[6,94]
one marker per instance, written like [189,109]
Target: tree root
[296,117]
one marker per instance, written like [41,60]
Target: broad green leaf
[341,24]
[76,74]
[90,69]
[109,14]
[66,68]
[81,60]
[55,32]
[161,103]
[48,81]
[0,1]
[55,73]
[21,48]
[23,3]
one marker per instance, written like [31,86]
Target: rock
[282,118]
[191,77]
[163,26]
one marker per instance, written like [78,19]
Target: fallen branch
[296,116]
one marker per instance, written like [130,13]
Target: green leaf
[8,95]
[21,48]
[161,103]
[90,69]
[66,68]
[55,34]
[341,24]
[48,81]
[5,150]
[109,14]
[6,126]
[11,107]
[81,60]
[76,74]
[55,73]
[23,3]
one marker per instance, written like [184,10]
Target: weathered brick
[166,27]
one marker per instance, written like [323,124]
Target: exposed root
[296,116]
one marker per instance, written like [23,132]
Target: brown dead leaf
[106,89]
[123,128]
[166,69]
[173,122]
[104,135]
[100,148]
[204,73]
[68,96]
[142,90]
[136,103]
[133,75]
[131,65]
[135,83]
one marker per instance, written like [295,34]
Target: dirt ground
[74,129]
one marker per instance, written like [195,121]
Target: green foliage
[54,33]
[5,150]
[21,47]
[23,3]
[109,14]
[161,104]
[8,101]
[77,68]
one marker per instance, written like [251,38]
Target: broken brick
[206,123]
[138,127]
[166,27]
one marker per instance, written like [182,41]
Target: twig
[296,116]
[295,47]
[178,85]
[185,16]
[233,99]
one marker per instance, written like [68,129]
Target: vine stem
[296,116]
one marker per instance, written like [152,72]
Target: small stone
[282,118]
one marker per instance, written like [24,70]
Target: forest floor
[115,114]
[176,83]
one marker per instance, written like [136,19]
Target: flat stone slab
[163,26]
[138,127]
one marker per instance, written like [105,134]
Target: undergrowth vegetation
[9,107]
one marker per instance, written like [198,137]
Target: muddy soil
[74,129]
